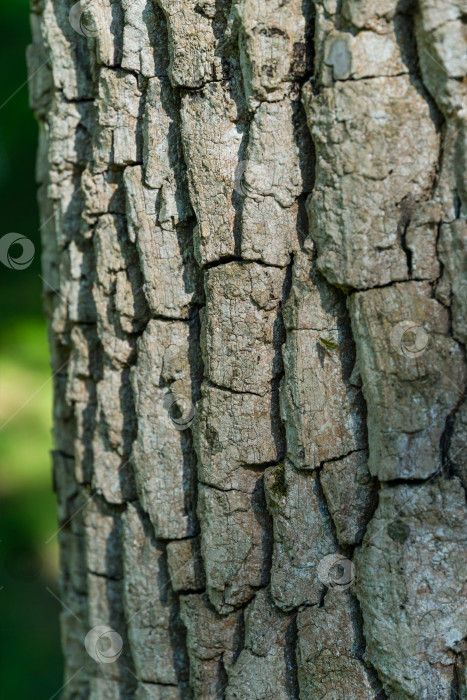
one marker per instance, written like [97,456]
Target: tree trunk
[254,240]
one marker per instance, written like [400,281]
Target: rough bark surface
[254,219]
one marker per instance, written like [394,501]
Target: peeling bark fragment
[119,108]
[312,303]
[276,171]
[117,292]
[65,196]
[100,17]
[113,436]
[112,476]
[171,279]
[70,64]
[213,643]
[235,543]
[272,46]
[103,192]
[458,446]
[274,154]
[234,431]
[82,427]
[64,483]
[326,652]
[195,37]
[453,255]
[70,125]
[442,44]
[242,329]
[73,565]
[321,408]
[270,233]
[413,375]
[105,609]
[262,670]
[103,539]
[212,132]
[163,157]
[345,57]
[376,144]
[322,411]
[151,609]
[40,72]
[372,14]
[302,535]
[414,555]
[185,565]
[143,45]
[351,495]
[163,457]
[448,192]
[421,239]
[76,303]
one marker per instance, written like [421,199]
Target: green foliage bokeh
[29,631]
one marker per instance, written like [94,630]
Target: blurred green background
[29,631]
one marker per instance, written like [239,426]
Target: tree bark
[254,247]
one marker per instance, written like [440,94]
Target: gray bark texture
[254,218]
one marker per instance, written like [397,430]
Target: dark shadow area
[29,629]
[262,516]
